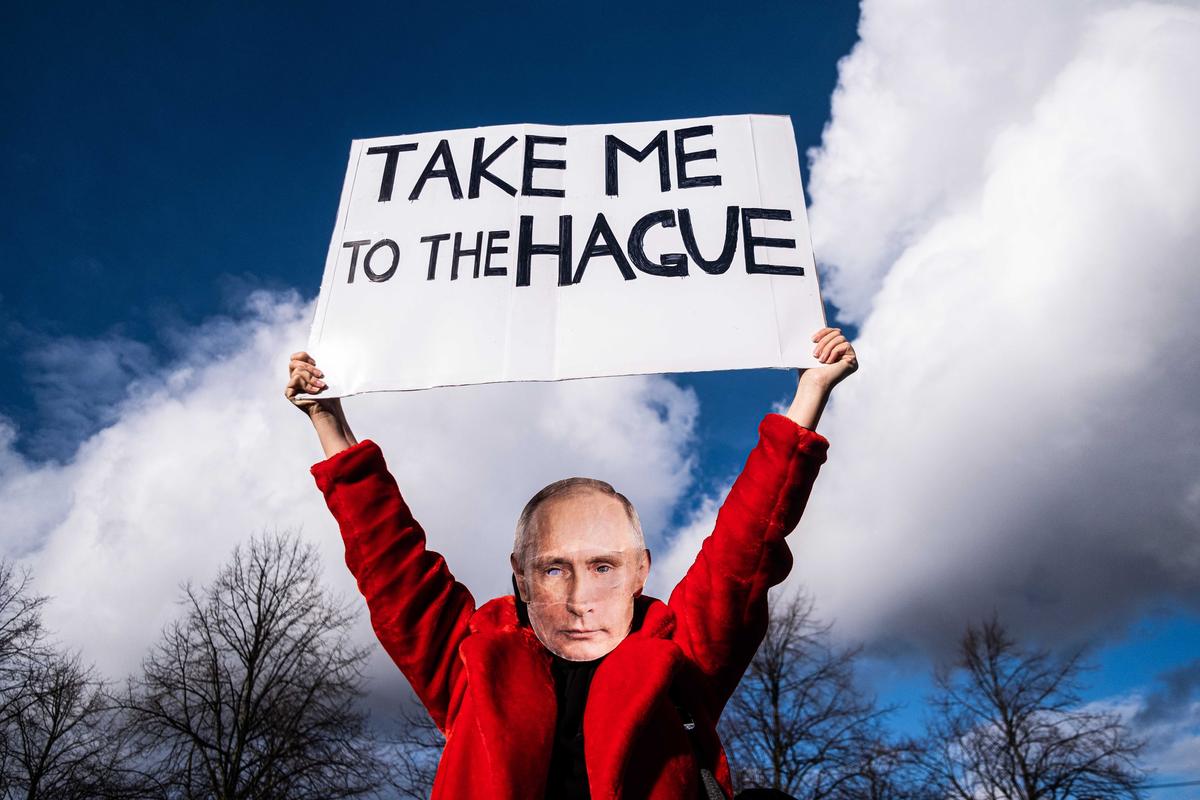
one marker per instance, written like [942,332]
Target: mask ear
[522,610]
[644,566]
[520,588]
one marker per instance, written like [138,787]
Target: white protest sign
[533,252]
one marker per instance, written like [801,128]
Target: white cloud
[677,557]
[206,453]
[1166,716]
[920,101]
[1009,194]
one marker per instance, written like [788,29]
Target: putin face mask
[582,569]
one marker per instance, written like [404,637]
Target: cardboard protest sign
[532,252]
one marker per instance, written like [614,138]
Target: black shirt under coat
[567,779]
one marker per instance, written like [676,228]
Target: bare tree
[417,749]
[888,769]
[59,736]
[1008,724]
[21,634]
[62,739]
[21,647]
[798,723]
[254,692]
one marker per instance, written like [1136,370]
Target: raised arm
[721,604]
[418,610]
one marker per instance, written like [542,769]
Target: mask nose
[580,597]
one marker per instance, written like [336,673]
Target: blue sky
[162,165]
[174,162]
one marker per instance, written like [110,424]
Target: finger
[310,371]
[838,352]
[309,379]
[830,333]
[817,336]
[304,383]
[297,364]
[302,356]
[299,360]
[827,344]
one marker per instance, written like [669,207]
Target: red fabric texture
[485,678]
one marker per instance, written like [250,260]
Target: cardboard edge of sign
[334,395]
[353,142]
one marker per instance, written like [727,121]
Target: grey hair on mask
[568,487]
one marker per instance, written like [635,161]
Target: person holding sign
[578,685]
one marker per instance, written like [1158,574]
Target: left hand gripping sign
[532,252]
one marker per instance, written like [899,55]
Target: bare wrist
[333,430]
[814,380]
[808,403]
[326,419]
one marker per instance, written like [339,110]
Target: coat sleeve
[418,610]
[720,606]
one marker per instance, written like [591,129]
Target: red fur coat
[485,678]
